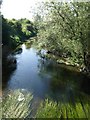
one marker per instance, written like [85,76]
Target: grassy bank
[18,105]
[52,109]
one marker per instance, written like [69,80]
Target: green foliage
[16,31]
[5,31]
[52,109]
[16,104]
[64,29]
[49,110]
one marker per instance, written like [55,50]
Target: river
[44,78]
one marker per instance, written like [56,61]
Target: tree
[16,31]
[66,29]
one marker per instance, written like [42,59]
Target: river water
[44,78]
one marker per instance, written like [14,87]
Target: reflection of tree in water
[44,66]
[64,81]
[9,65]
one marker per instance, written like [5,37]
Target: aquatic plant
[52,109]
[16,104]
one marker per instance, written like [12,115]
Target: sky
[18,8]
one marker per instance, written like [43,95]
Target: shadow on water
[7,70]
[9,65]
[64,81]
[44,78]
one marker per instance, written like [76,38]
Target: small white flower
[21,97]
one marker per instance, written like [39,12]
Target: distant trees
[16,31]
[5,31]
[65,29]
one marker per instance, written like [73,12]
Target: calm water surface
[44,77]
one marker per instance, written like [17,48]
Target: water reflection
[44,77]
[62,80]
[9,65]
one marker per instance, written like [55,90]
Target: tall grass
[16,104]
[52,109]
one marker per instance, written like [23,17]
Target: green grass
[49,109]
[52,109]
[16,105]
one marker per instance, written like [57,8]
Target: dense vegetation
[63,29]
[18,104]
[16,31]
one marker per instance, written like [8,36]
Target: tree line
[15,31]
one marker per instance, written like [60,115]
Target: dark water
[44,77]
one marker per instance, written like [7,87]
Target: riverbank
[64,58]
[52,86]
[19,104]
[60,59]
